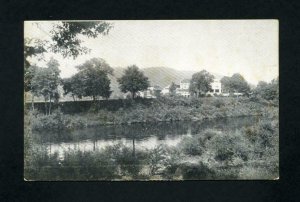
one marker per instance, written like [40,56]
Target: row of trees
[201,82]
[65,39]
[91,80]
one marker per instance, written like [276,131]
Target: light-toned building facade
[183,89]
[166,90]
[216,88]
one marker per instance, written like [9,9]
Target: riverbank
[165,109]
[250,152]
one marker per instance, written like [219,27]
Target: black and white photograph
[151,100]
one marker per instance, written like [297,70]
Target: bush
[128,160]
[191,146]
[227,147]
[218,102]
[196,171]
[156,160]
[208,135]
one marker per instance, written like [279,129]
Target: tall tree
[93,75]
[32,48]
[226,84]
[45,83]
[73,86]
[133,81]
[235,83]
[268,91]
[201,83]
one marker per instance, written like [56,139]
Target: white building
[151,92]
[183,89]
[166,90]
[216,88]
[185,84]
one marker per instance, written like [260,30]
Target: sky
[248,47]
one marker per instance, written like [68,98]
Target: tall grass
[164,109]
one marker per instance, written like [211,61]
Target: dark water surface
[139,135]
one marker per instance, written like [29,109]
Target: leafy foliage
[65,36]
[91,80]
[235,83]
[73,86]
[201,83]
[133,81]
[45,82]
[268,91]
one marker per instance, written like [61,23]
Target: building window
[217,90]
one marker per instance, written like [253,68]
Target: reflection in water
[139,136]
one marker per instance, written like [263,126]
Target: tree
[225,82]
[45,83]
[33,48]
[65,36]
[65,39]
[73,86]
[133,81]
[172,89]
[239,84]
[268,91]
[201,83]
[93,77]
[235,83]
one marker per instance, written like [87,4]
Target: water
[140,136]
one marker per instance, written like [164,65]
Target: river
[139,136]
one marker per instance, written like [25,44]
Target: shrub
[196,171]
[156,160]
[191,146]
[207,135]
[127,159]
[227,147]
[218,102]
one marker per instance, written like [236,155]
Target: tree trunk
[73,98]
[45,106]
[32,103]
[49,105]
[133,95]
